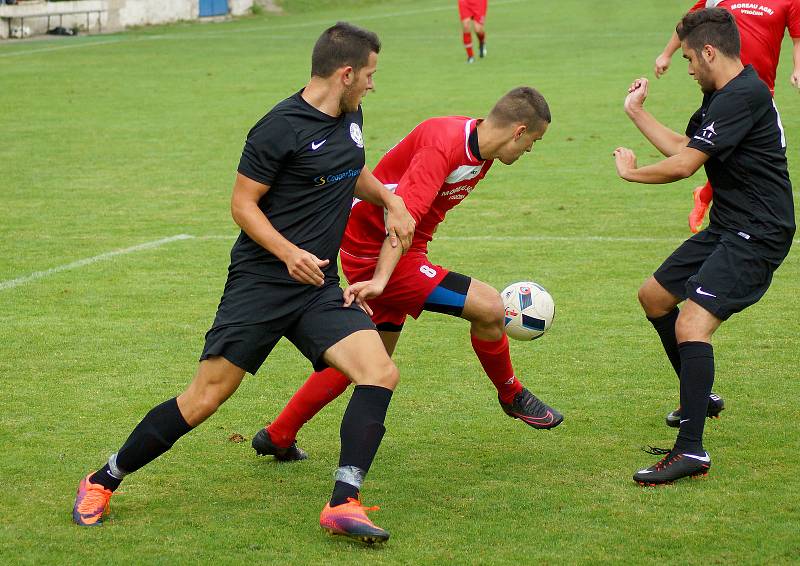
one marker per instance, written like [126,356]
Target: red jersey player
[761,28]
[433,169]
[474,11]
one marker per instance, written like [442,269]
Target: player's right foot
[91,503]
[263,445]
[470,59]
[482,50]
[674,466]
[715,406]
[698,213]
[350,520]
[532,411]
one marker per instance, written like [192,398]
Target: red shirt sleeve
[699,5]
[420,184]
[793,22]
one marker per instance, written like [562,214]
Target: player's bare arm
[795,78]
[679,166]
[665,140]
[303,266]
[665,57]
[363,291]
[399,223]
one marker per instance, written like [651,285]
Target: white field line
[232,237]
[88,261]
[249,29]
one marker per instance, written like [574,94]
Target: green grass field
[111,142]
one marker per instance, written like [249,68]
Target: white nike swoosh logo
[684,420]
[701,292]
[645,471]
[705,458]
[316,145]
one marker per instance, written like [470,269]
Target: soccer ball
[529,310]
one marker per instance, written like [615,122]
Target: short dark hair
[522,104]
[710,26]
[342,45]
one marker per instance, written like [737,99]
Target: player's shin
[361,433]
[495,359]
[153,436]
[697,378]
[320,388]
[665,326]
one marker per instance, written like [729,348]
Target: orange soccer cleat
[350,520]
[702,199]
[91,503]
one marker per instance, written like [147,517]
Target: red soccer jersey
[761,28]
[432,169]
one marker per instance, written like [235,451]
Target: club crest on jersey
[355,133]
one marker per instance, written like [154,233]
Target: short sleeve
[269,144]
[420,184]
[726,123]
[699,5]
[793,19]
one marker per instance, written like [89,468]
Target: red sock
[468,44]
[481,37]
[320,388]
[496,361]
[707,193]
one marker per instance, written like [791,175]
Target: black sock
[156,434]
[361,433]
[104,477]
[697,377]
[665,326]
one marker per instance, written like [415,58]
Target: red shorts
[411,282]
[472,9]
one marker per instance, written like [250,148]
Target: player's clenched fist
[305,267]
[637,94]
[625,161]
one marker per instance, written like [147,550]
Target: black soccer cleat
[532,411]
[673,466]
[263,446]
[482,50]
[715,406]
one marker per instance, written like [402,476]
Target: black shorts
[255,313]
[722,272]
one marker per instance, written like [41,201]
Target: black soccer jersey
[738,126]
[311,162]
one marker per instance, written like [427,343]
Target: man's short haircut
[523,105]
[710,26]
[342,45]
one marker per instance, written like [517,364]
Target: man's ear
[709,52]
[348,75]
[519,131]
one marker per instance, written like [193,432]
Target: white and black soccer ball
[20,32]
[529,310]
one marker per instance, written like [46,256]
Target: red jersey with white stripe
[432,169]
[761,28]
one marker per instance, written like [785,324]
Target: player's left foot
[674,466]
[482,50]
[263,445]
[350,520]
[91,503]
[698,213]
[532,411]
[470,59]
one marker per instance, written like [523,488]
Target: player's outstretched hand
[400,224]
[662,65]
[795,78]
[361,292]
[625,160]
[305,267]
[637,94]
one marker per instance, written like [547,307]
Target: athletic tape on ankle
[352,475]
[116,471]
